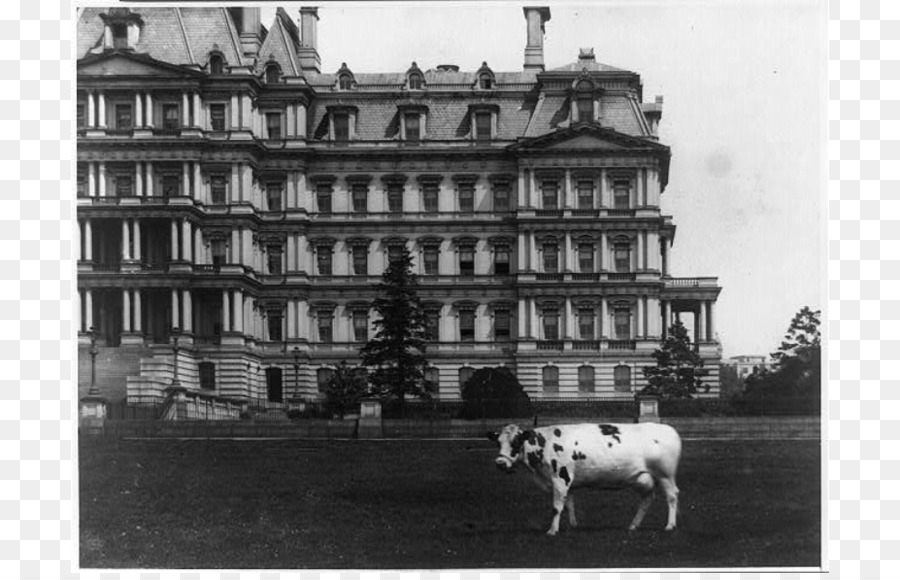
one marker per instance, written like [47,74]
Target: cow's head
[510,440]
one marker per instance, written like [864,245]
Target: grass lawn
[429,504]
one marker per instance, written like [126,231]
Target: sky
[743,88]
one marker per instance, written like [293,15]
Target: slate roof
[280,47]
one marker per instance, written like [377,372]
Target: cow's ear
[493,435]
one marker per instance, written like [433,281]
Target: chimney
[535,17]
[308,53]
[247,22]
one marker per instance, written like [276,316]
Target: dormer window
[345,82]
[342,120]
[216,64]
[120,35]
[583,102]
[412,132]
[273,74]
[341,127]
[483,119]
[122,29]
[412,122]
[482,126]
[485,82]
[415,82]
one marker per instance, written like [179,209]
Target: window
[323,377]
[123,117]
[323,197]
[501,260]
[415,82]
[466,198]
[216,65]
[501,197]
[585,258]
[395,253]
[412,127]
[430,197]
[207,375]
[432,323]
[586,323]
[432,379]
[622,321]
[273,75]
[79,116]
[171,185]
[465,373]
[551,258]
[359,197]
[273,125]
[217,188]
[467,325]
[273,196]
[430,259]
[483,126]
[467,261]
[551,323]
[622,378]
[501,324]
[275,317]
[274,253]
[170,117]
[345,82]
[341,127]
[218,249]
[622,257]
[395,198]
[360,260]
[323,260]
[621,194]
[585,108]
[585,194]
[217,116]
[325,321]
[550,195]
[123,185]
[585,379]
[484,81]
[550,379]
[120,35]
[360,325]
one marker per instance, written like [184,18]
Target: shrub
[494,393]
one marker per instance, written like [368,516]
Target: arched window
[586,379]
[622,378]
[216,64]
[415,82]
[485,82]
[273,75]
[465,373]
[345,82]
[585,102]
[550,379]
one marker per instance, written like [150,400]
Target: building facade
[235,196]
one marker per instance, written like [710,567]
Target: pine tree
[679,369]
[396,354]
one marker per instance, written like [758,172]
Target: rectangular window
[360,325]
[341,127]
[395,198]
[586,379]
[551,258]
[501,325]
[325,321]
[466,198]
[273,125]
[170,117]
[621,194]
[171,185]
[273,196]
[274,259]
[323,260]
[123,117]
[551,324]
[430,198]
[501,197]
[430,260]
[207,375]
[501,260]
[323,197]
[120,35]
[275,319]
[432,324]
[123,185]
[217,188]
[585,194]
[412,127]
[218,250]
[550,195]
[483,126]
[360,260]
[622,319]
[80,121]
[585,109]
[622,256]
[550,379]
[467,325]
[359,195]
[586,323]
[467,261]
[217,116]
[395,252]
[585,258]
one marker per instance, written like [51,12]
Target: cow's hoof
[632,528]
[551,533]
[670,528]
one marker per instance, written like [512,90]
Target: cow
[642,456]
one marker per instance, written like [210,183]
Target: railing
[585,345]
[620,212]
[166,132]
[550,345]
[548,213]
[204,268]
[622,345]
[121,132]
[153,199]
[586,276]
[105,200]
[689,282]
[154,267]
[107,267]
[585,213]
[552,276]
[621,276]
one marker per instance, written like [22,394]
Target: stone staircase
[114,364]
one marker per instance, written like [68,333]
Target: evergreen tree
[344,389]
[494,393]
[396,354]
[679,369]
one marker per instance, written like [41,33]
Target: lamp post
[93,391]
[296,352]
[175,333]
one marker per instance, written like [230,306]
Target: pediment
[119,64]
[585,142]
[587,137]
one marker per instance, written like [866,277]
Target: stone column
[532,189]
[101,178]
[532,253]
[246,121]
[188,311]
[303,319]
[639,325]
[712,327]
[238,311]
[185,110]
[137,308]
[291,323]
[92,117]
[532,319]
[126,310]
[226,310]
[701,323]
[92,179]
[138,110]
[521,320]
[521,252]
[639,257]
[601,328]
[176,323]
[197,108]
[149,178]
[138,179]
[664,306]
[101,122]
[186,178]
[199,253]
[88,241]
[567,190]
[246,182]
[199,189]
[235,113]
[567,251]
[520,193]
[570,320]
[126,241]
[149,114]
[174,230]
[88,309]
[186,240]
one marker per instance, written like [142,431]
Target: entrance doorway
[274,385]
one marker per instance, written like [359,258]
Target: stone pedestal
[649,409]
[370,420]
[92,414]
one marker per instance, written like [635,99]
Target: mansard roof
[280,46]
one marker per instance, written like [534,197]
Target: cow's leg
[570,507]
[644,486]
[560,490]
[671,490]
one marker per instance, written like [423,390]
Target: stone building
[230,189]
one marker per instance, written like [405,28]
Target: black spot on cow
[609,444]
[656,441]
[610,431]
[578,456]
[520,439]
[534,460]
[557,432]
[564,474]
[553,465]
[557,448]
[541,441]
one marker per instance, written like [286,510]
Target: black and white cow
[642,456]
